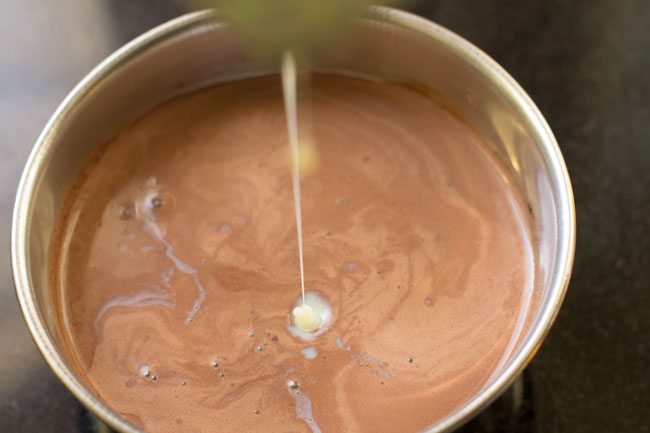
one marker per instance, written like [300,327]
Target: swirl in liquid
[177,269]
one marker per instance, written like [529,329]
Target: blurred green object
[270,27]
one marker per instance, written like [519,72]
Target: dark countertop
[587,66]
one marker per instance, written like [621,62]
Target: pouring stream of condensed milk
[304,316]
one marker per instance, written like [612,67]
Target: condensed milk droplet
[311,317]
[305,318]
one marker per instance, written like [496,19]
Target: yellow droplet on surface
[305,318]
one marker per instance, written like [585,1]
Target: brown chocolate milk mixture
[177,265]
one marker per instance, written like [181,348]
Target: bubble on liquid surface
[319,306]
[144,370]
[156,202]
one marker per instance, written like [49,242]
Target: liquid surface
[177,265]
